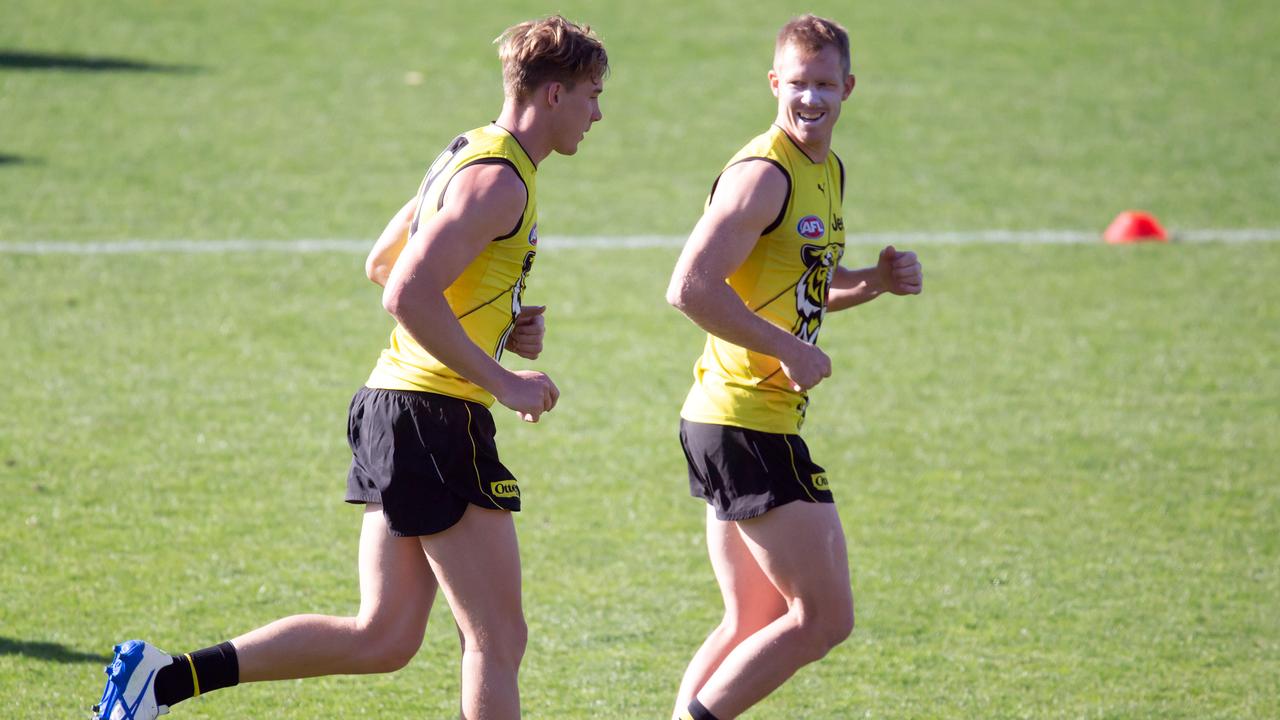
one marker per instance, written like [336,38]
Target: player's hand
[526,335]
[806,366]
[530,393]
[900,272]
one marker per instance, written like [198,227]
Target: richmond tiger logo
[811,291]
[517,295]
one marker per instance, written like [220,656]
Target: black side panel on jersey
[492,161]
[437,166]
[782,213]
[841,163]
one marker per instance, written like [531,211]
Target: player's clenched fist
[805,366]
[900,272]
[527,332]
[530,393]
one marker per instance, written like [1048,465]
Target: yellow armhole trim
[195,681]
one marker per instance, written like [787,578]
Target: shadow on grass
[7,159]
[49,651]
[17,60]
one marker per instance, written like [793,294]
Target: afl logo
[533,235]
[811,227]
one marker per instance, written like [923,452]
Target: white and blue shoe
[131,688]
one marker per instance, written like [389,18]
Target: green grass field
[1056,468]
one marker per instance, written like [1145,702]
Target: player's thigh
[477,562]
[396,581]
[800,546]
[749,595]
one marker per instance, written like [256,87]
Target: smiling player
[759,273]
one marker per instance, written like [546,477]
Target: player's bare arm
[390,244]
[530,327]
[747,198]
[483,202]
[896,272]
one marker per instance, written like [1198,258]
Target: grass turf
[1056,467]
[288,119]
[1057,487]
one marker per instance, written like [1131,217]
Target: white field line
[608,242]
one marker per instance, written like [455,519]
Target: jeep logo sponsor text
[505,488]
[811,227]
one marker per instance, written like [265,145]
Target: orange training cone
[1133,226]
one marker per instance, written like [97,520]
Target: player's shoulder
[763,158]
[755,175]
[485,136]
[495,141]
[489,182]
[761,146]
[752,194]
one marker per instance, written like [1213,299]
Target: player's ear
[773,82]
[553,91]
[849,82]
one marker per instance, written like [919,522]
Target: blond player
[438,502]
[759,273]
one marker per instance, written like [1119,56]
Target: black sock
[698,711]
[214,668]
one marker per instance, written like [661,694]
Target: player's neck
[527,127]
[815,147]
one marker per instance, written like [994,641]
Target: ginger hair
[811,34]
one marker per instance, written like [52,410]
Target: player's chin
[815,131]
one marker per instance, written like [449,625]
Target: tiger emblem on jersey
[517,296]
[820,262]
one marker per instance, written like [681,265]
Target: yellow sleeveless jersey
[785,280]
[486,296]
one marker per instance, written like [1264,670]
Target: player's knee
[392,658]
[517,640]
[841,626]
[738,627]
[391,655]
[823,627]
[387,649]
[504,641]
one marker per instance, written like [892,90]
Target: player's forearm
[716,308]
[431,322]
[850,288]
[387,249]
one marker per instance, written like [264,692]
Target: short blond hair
[549,50]
[811,34]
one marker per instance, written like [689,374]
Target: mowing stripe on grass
[604,242]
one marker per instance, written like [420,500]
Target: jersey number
[433,173]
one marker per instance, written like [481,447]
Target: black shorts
[745,473]
[424,457]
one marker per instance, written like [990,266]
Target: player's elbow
[675,297]
[375,271]
[690,296]
[393,298]
[678,294]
